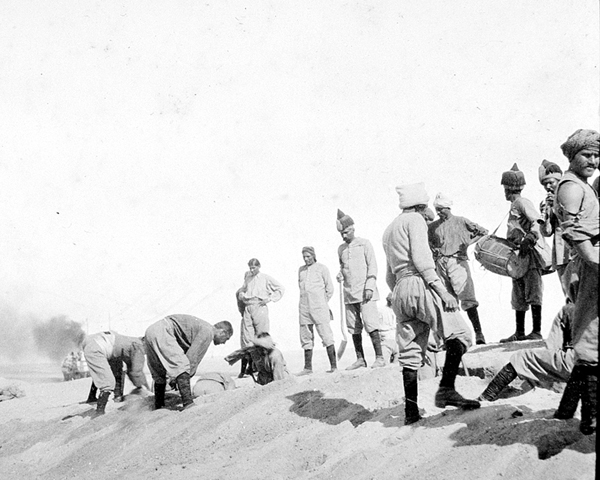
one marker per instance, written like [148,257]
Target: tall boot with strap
[360,354]
[506,375]
[185,390]
[376,339]
[411,392]
[446,394]
[332,358]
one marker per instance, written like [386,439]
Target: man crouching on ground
[175,346]
[421,303]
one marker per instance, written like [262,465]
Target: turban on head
[549,170]
[411,195]
[514,178]
[310,250]
[343,220]
[579,140]
[442,201]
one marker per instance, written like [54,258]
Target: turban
[310,250]
[442,201]
[514,178]
[549,170]
[343,220]
[579,140]
[411,195]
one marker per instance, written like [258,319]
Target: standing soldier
[359,273]
[105,353]
[550,174]
[257,291]
[316,289]
[524,231]
[449,238]
[175,346]
[421,304]
[576,206]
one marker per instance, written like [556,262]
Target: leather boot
[473,315]
[588,400]
[307,363]
[92,395]
[506,375]
[185,390]
[332,358]
[102,401]
[536,314]
[244,366]
[376,339]
[446,394]
[159,395]
[571,395]
[519,335]
[360,354]
[411,392]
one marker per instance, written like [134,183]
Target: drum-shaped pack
[500,256]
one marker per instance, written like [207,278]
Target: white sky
[150,149]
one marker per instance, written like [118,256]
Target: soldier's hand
[450,303]
[339,277]
[368,295]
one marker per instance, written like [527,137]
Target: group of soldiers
[428,275]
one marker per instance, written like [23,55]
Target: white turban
[442,201]
[411,195]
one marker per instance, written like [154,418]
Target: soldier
[175,346]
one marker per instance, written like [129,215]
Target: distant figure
[577,210]
[257,291]
[388,331]
[175,346]
[524,231]
[264,359]
[81,367]
[550,174]
[540,367]
[316,289]
[449,238]
[358,270]
[68,366]
[421,303]
[105,353]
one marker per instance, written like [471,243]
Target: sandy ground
[346,425]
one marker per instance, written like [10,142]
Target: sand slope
[342,425]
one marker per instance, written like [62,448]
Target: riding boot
[411,391]
[506,375]
[102,401]
[92,395]
[520,333]
[376,339]
[360,354]
[473,315]
[446,394]
[571,395]
[307,363]
[588,400]
[119,386]
[185,390]
[332,359]
[536,315]
[159,395]
[244,366]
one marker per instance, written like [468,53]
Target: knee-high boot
[506,375]
[571,395]
[411,391]
[520,333]
[473,315]
[536,315]
[92,395]
[159,395]
[446,394]
[185,390]
[360,354]
[102,401]
[376,339]
[588,400]
[307,363]
[332,359]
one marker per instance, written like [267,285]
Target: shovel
[344,342]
